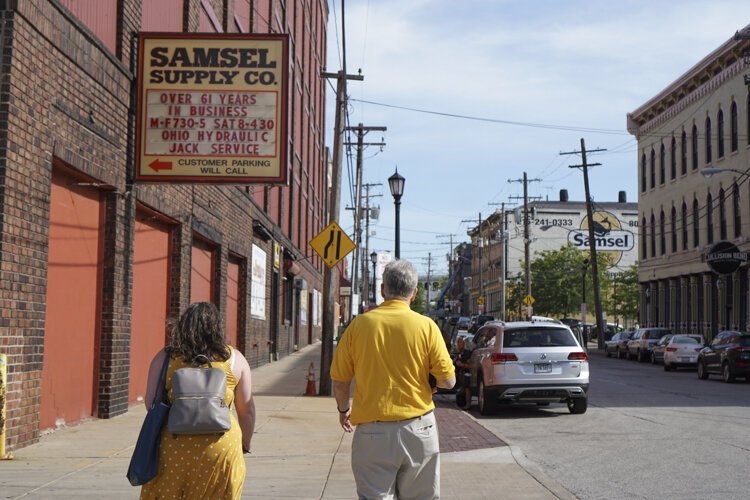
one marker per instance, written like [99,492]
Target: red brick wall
[65,100]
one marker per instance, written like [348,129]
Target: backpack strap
[161,386]
[202,359]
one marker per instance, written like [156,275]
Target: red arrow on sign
[160,165]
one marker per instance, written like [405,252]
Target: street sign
[480,300]
[529,300]
[212,108]
[332,244]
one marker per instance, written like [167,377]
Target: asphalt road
[647,434]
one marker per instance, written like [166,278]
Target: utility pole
[450,262]
[361,132]
[330,276]
[481,299]
[429,282]
[366,249]
[592,240]
[526,236]
[503,257]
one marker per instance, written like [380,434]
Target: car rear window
[684,340]
[538,337]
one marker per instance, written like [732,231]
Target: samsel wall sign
[212,108]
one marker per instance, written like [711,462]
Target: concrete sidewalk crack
[71,473]
[330,468]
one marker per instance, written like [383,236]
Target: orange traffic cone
[311,382]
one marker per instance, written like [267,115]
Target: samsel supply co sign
[212,108]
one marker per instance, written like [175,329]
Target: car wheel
[486,399]
[577,406]
[641,357]
[620,353]
[726,373]
[702,373]
[653,358]
[461,399]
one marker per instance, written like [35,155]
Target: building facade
[499,243]
[95,265]
[701,121]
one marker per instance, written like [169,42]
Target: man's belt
[405,419]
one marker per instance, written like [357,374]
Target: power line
[497,120]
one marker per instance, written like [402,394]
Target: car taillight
[672,349]
[578,356]
[502,357]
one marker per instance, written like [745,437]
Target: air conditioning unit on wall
[300,284]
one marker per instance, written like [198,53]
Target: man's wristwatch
[342,411]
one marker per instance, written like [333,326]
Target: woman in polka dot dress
[203,466]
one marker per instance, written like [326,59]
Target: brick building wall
[65,98]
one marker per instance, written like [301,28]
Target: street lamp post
[396,183]
[374,260]
[709,172]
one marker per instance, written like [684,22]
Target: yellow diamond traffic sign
[529,300]
[332,244]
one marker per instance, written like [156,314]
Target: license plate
[684,360]
[542,368]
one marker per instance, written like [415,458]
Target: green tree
[419,302]
[623,295]
[514,292]
[556,281]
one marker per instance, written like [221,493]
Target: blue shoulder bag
[144,464]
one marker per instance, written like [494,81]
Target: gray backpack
[199,400]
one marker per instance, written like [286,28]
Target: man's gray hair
[399,279]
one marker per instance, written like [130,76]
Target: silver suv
[529,362]
[643,341]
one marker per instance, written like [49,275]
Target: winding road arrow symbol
[158,165]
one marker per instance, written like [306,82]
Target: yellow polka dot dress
[199,466]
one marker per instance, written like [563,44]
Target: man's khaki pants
[397,460]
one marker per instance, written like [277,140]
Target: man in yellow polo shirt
[392,351]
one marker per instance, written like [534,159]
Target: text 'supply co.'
[251,65]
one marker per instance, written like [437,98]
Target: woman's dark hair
[198,331]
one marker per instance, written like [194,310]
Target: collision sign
[212,108]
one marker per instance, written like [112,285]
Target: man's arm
[447,383]
[341,393]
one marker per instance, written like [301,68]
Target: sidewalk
[299,451]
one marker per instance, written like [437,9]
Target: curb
[533,469]
[539,475]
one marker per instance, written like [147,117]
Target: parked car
[728,354]
[657,353]
[468,337]
[643,340]
[682,350]
[618,344]
[529,362]
[463,323]
[478,320]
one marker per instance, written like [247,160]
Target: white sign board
[258,284]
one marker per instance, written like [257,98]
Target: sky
[558,70]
